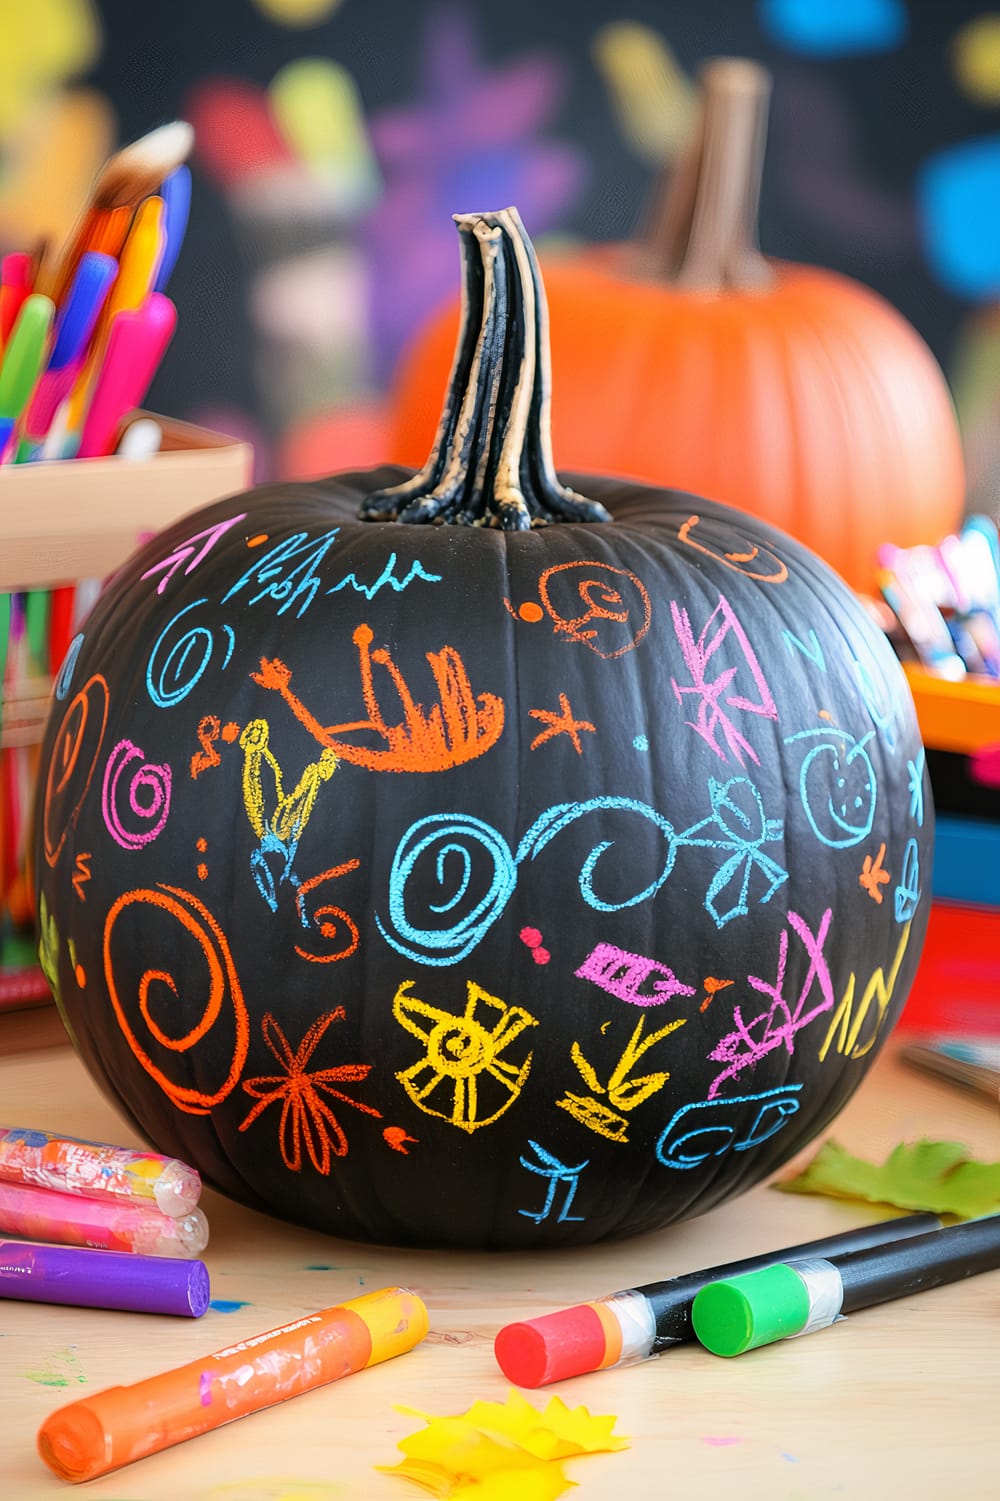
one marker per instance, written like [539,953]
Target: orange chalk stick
[125,1423]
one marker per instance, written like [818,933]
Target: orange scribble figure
[397,1138]
[756,562]
[562,723]
[306,1118]
[712,987]
[459,727]
[873,876]
[74,758]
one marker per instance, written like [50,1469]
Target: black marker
[643,1321]
[798,1296]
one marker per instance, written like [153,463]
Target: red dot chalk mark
[397,1138]
[554,1347]
[533,939]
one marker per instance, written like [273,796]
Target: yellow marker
[140,260]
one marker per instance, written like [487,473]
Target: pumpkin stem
[491,463]
[702,231]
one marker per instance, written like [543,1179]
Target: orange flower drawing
[305,1115]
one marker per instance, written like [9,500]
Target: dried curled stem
[491,463]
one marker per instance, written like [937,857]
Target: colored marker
[136,343]
[176,193]
[97,1170]
[15,286]
[81,1278]
[124,1423]
[104,1224]
[24,354]
[799,1296]
[642,1322]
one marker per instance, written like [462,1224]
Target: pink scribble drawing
[621,974]
[713,693]
[188,553]
[778,1025]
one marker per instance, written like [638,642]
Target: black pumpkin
[496,884]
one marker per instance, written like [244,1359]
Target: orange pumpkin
[691,361]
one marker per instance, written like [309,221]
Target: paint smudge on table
[227,1305]
[60,1369]
[721,1440]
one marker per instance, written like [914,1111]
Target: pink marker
[137,340]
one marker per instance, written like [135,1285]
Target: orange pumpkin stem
[702,230]
[491,463]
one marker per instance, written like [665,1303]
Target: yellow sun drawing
[462,1077]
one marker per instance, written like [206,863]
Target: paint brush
[127,177]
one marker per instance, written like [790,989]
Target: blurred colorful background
[336,137]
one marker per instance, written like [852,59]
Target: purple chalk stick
[103,1279]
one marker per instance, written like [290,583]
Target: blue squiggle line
[442,834]
[387,578]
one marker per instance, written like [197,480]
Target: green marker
[737,1314]
[25,354]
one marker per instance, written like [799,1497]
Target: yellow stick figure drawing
[623,1093]
[277,817]
[463,1072]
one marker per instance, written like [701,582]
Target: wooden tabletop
[897,1400]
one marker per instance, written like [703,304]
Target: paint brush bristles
[127,177]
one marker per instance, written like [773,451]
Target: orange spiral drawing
[71,766]
[333,922]
[158,984]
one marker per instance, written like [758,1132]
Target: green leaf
[940,1176]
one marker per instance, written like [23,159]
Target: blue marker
[79,312]
[176,194]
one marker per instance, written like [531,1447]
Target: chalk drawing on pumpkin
[306,1120]
[561,723]
[559,1174]
[474,871]
[849,1019]
[886,717]
[711,987]
[81,873]
[616,613]
[838,785]
[277,817]
[721,693]
[874,875]
[907,894]
[530,611]
[180,658]
[201,845]
[813,651]
[75,750]
[532,939]
[138,924]
[210,731]
[738,823]
[461,726]
[915,774]
[286,574]
[187,555]
[757,562]
[333,923]
[710,1128]
[398,1138]
[781,1020]
[623,974]
[79,973]
[464,1077]
[624,1092]
[387,579]
[135,817]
